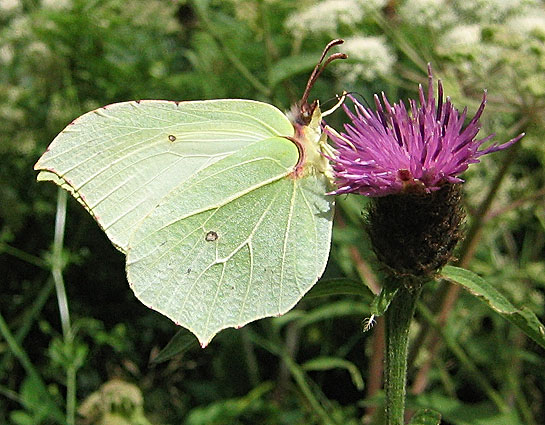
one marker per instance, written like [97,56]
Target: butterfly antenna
[362,97]
[320,66]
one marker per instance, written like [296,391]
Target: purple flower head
[395,149]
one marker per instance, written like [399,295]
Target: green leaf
[524,318]
[459,413]
[180,343]
[382,301]
[328,363]
[340,286]
[231,410]
[38,402]
[204,198]
[426,417]
[20,417]
[326,311]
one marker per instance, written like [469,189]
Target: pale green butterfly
[220,206]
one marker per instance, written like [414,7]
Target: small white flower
[369,58]
[373,4]
[56,4]
[9,6]
[20,27]
[436,14]
[531,22]
[325,17]
[462,38]
[493,11]
[6,54]
[38,48]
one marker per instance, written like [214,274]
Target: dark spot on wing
[171,137]
[188,270]
[211,236]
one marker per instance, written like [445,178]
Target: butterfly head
[307,119]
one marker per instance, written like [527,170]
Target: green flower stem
[57,265]
[22,255]
[398,320]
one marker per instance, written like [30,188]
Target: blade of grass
[464,359]
[298,375]
[57,265]
[20,354]
[22,255]
[30,315]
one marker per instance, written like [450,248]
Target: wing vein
[285,247]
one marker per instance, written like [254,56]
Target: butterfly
[220,206]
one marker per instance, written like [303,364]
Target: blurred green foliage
[61,58]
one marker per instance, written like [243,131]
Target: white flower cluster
[532,21]
[493,11]
[325,17]
[369,58]
[6,54]
[374,4]
[463,39]
[56,4]
[436,14]
[7,7]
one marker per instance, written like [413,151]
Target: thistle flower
[409,161]
[393,150]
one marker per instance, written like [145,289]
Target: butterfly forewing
[121,160]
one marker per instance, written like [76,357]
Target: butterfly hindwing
[239,241]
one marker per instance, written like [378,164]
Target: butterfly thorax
[311,142]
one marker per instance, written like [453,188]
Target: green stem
[57,265]
[71,400]
[22,255]
[398,320]
[471,240]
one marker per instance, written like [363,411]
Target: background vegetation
[61,58]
